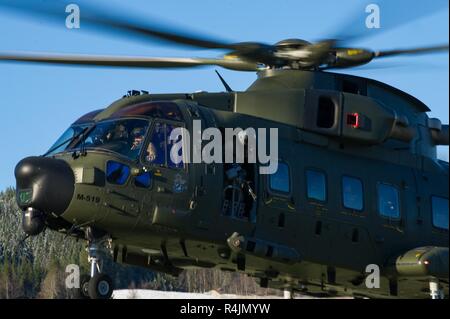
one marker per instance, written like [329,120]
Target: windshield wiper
[69,140]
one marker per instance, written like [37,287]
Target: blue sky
[39,102]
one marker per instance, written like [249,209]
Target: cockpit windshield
[122,136]
[66,138]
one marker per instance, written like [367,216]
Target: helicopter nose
[44,184]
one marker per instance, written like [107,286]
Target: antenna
[225,84]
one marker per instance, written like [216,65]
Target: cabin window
[326,112]
[280,180]
[352,193]
[160,146]
[316,185]
[388,201]
[439,207]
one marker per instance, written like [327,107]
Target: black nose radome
[45,184]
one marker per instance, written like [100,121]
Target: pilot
[119,133]
[117,139]
[138,135]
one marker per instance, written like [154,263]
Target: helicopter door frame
[163,174]
[240,192]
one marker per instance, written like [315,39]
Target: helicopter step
[262,248]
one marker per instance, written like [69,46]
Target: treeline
[35,267]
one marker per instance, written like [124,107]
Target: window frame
[398,199]
[279,193]
[317,170]
[362,194]
[432,213]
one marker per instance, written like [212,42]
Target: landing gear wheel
[100,287]
[84,287]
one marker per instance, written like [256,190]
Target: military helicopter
[358,180]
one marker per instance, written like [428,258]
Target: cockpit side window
[156,153]
[160,146]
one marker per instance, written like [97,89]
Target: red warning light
[353,120]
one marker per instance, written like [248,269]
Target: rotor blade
[394,66]
[99,20]
[424,50]
[391,14]
[129,62]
